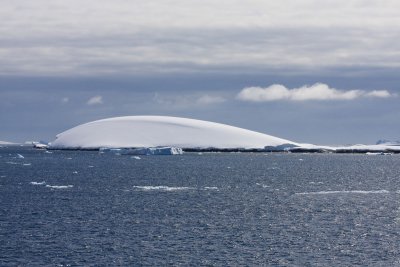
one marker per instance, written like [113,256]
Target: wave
[59,186]
[211,188]
[38,183]
[344,192]
[162,188]
[262,185]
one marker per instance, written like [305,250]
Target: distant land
[6,143]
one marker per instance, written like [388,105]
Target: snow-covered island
[162,131]
[381,149]
[149,135]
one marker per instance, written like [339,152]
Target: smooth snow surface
[154,131]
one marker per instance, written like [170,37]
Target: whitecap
[262,185]
[344,192]
[59,186]
[20,156]
[162,188]
[136,157]
[210,188]
[27,164]
[38,183]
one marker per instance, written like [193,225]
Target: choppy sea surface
[69,208]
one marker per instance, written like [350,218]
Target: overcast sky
[324,72]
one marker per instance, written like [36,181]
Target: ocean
[85,208]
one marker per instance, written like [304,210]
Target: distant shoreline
[261,150]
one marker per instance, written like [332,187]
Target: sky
[322,72]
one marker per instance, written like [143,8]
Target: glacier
[162,131]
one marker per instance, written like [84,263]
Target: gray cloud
[100,37]
[184,101]
[318,91]
[95,100]
[208,99]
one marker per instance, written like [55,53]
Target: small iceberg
[40,146]
[20,156]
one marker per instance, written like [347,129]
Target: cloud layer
[100,37]
[318,91]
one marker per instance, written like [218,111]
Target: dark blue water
[73,208]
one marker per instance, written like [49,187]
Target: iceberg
[161,134]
